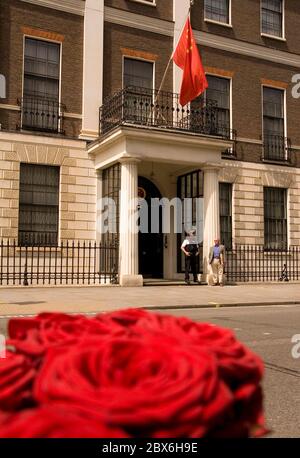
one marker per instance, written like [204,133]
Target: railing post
[25,282]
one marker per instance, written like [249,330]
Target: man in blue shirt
[216,259]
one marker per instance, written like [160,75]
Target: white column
[129,253]
[211,214]
[92,68]
[180,10]
[99,207]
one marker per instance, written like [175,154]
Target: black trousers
[191,265]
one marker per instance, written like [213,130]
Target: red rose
[16,378]
[148,386]
[140,373]
[33,336]
[239,368]
[54,422]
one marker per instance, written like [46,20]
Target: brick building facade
[237,149]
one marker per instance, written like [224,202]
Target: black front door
[150,245]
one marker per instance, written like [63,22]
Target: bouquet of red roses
[127,374]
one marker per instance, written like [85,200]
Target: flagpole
[171,58]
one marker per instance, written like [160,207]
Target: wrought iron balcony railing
[41,114]
[149,108]
[276,148]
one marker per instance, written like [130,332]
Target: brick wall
[248,74]
[14,16]
[246,17]
[117,37]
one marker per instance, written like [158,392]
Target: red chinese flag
[187,57]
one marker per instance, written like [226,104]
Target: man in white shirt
[190,248]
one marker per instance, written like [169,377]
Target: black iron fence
[69,263]
[160,109]
[276,148]
[253,263]
[42,114]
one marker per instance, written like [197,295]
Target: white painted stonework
[129,273]
[211,213]
[142,151]
[92,67]
[180,9]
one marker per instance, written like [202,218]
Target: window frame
[230,98]
[267,35]
[285,121]
[58,206]
[145,2]
[47,40]
[200,188]
[139,59]
[267,243]
[229,185]
[214,21]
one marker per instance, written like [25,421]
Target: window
[138,79]
[41,85]
[272,17]
[38,211]
[273,124]
[219,91]
[217,10]
[190,187]
[111,185]
[275,218]
[138,73]
[226,214]
[146,2]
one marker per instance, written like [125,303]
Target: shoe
[187,282]
[221,284]
[197,282]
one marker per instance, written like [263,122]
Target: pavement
[83,299]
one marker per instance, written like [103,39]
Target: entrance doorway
[151,246]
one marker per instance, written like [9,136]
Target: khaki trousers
[217,271]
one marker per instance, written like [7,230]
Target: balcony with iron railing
[276,148]
[146,108]
[41,114]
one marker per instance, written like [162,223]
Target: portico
[160,157]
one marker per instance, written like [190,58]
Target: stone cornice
[137,21]
[68,6]
[157,136]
